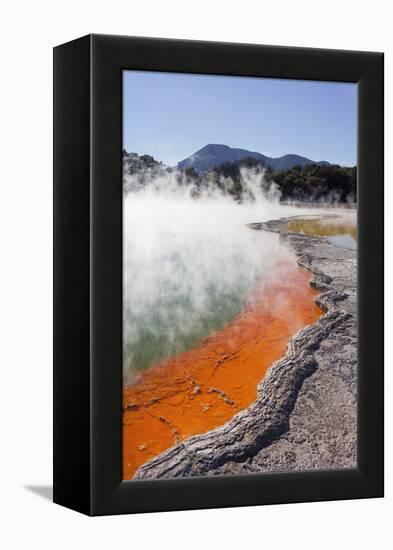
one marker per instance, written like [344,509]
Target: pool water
[340,232]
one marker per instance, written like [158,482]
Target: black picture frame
[88,273]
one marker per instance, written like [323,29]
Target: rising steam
[190,260]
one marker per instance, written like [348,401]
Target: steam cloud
[190,261]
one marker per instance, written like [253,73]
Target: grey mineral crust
[305,413]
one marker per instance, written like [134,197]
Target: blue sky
[172,115]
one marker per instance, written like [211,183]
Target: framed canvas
[218,275]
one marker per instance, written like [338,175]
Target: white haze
[191,263]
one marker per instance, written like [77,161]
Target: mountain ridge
[214,154]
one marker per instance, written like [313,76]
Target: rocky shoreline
[304,416]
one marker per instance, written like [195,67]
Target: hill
[216,154]
[328,183]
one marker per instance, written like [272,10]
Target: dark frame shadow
[44,491]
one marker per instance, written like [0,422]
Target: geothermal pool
[209,305]
[203,387]
[339,230]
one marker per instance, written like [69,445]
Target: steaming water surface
[194,269]
[189,266]
[191,262]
